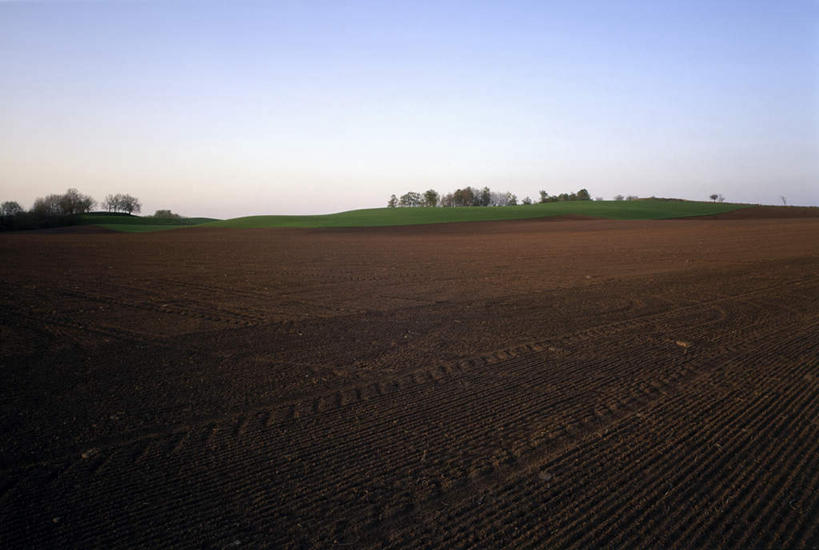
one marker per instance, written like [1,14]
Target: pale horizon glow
[229,109]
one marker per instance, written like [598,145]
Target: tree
[497,198]
[166,214]
[544,196]
[618,197]
[720,198]
[122,203]
[410,199]
[431,198]
[784,200]
[583,195]
[131,204]
[714,197]
[111,203]
[513,199]
[632,198]
[74,202]
[10,208]
[393,202]
[527,201]
[485,197]
[463,197]
[47,206]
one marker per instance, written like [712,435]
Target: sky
[228,109]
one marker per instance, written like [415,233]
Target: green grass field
[644,209]
[648,209]
[139,224]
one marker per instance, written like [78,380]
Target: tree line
[470,196]
[62,209]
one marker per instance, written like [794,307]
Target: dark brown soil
[570,384]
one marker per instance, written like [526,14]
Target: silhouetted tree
[122,203]
[130,204]
[74,202]
[618,197]
[583,195]
[393,202]
[713,197]
[111,203]
[47,206]
[10,208]
[527,201]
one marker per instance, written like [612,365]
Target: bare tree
[111,203]
[122,203]
[784,200]
[74,202]
[47,206]
[131,204]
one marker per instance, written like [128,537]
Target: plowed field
[570,384]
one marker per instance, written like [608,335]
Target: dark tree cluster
[167,214]
[582,195]
[69,203]
[471,196]
[55,210]
[122,203]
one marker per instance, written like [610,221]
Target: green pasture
[647,209]
[643,209]
[140,224]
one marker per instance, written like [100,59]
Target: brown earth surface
[576,384]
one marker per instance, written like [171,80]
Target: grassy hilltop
[139,224]
[647,209]
[643,209]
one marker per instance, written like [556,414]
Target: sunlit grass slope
[647,209]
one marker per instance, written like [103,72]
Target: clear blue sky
[239,108]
